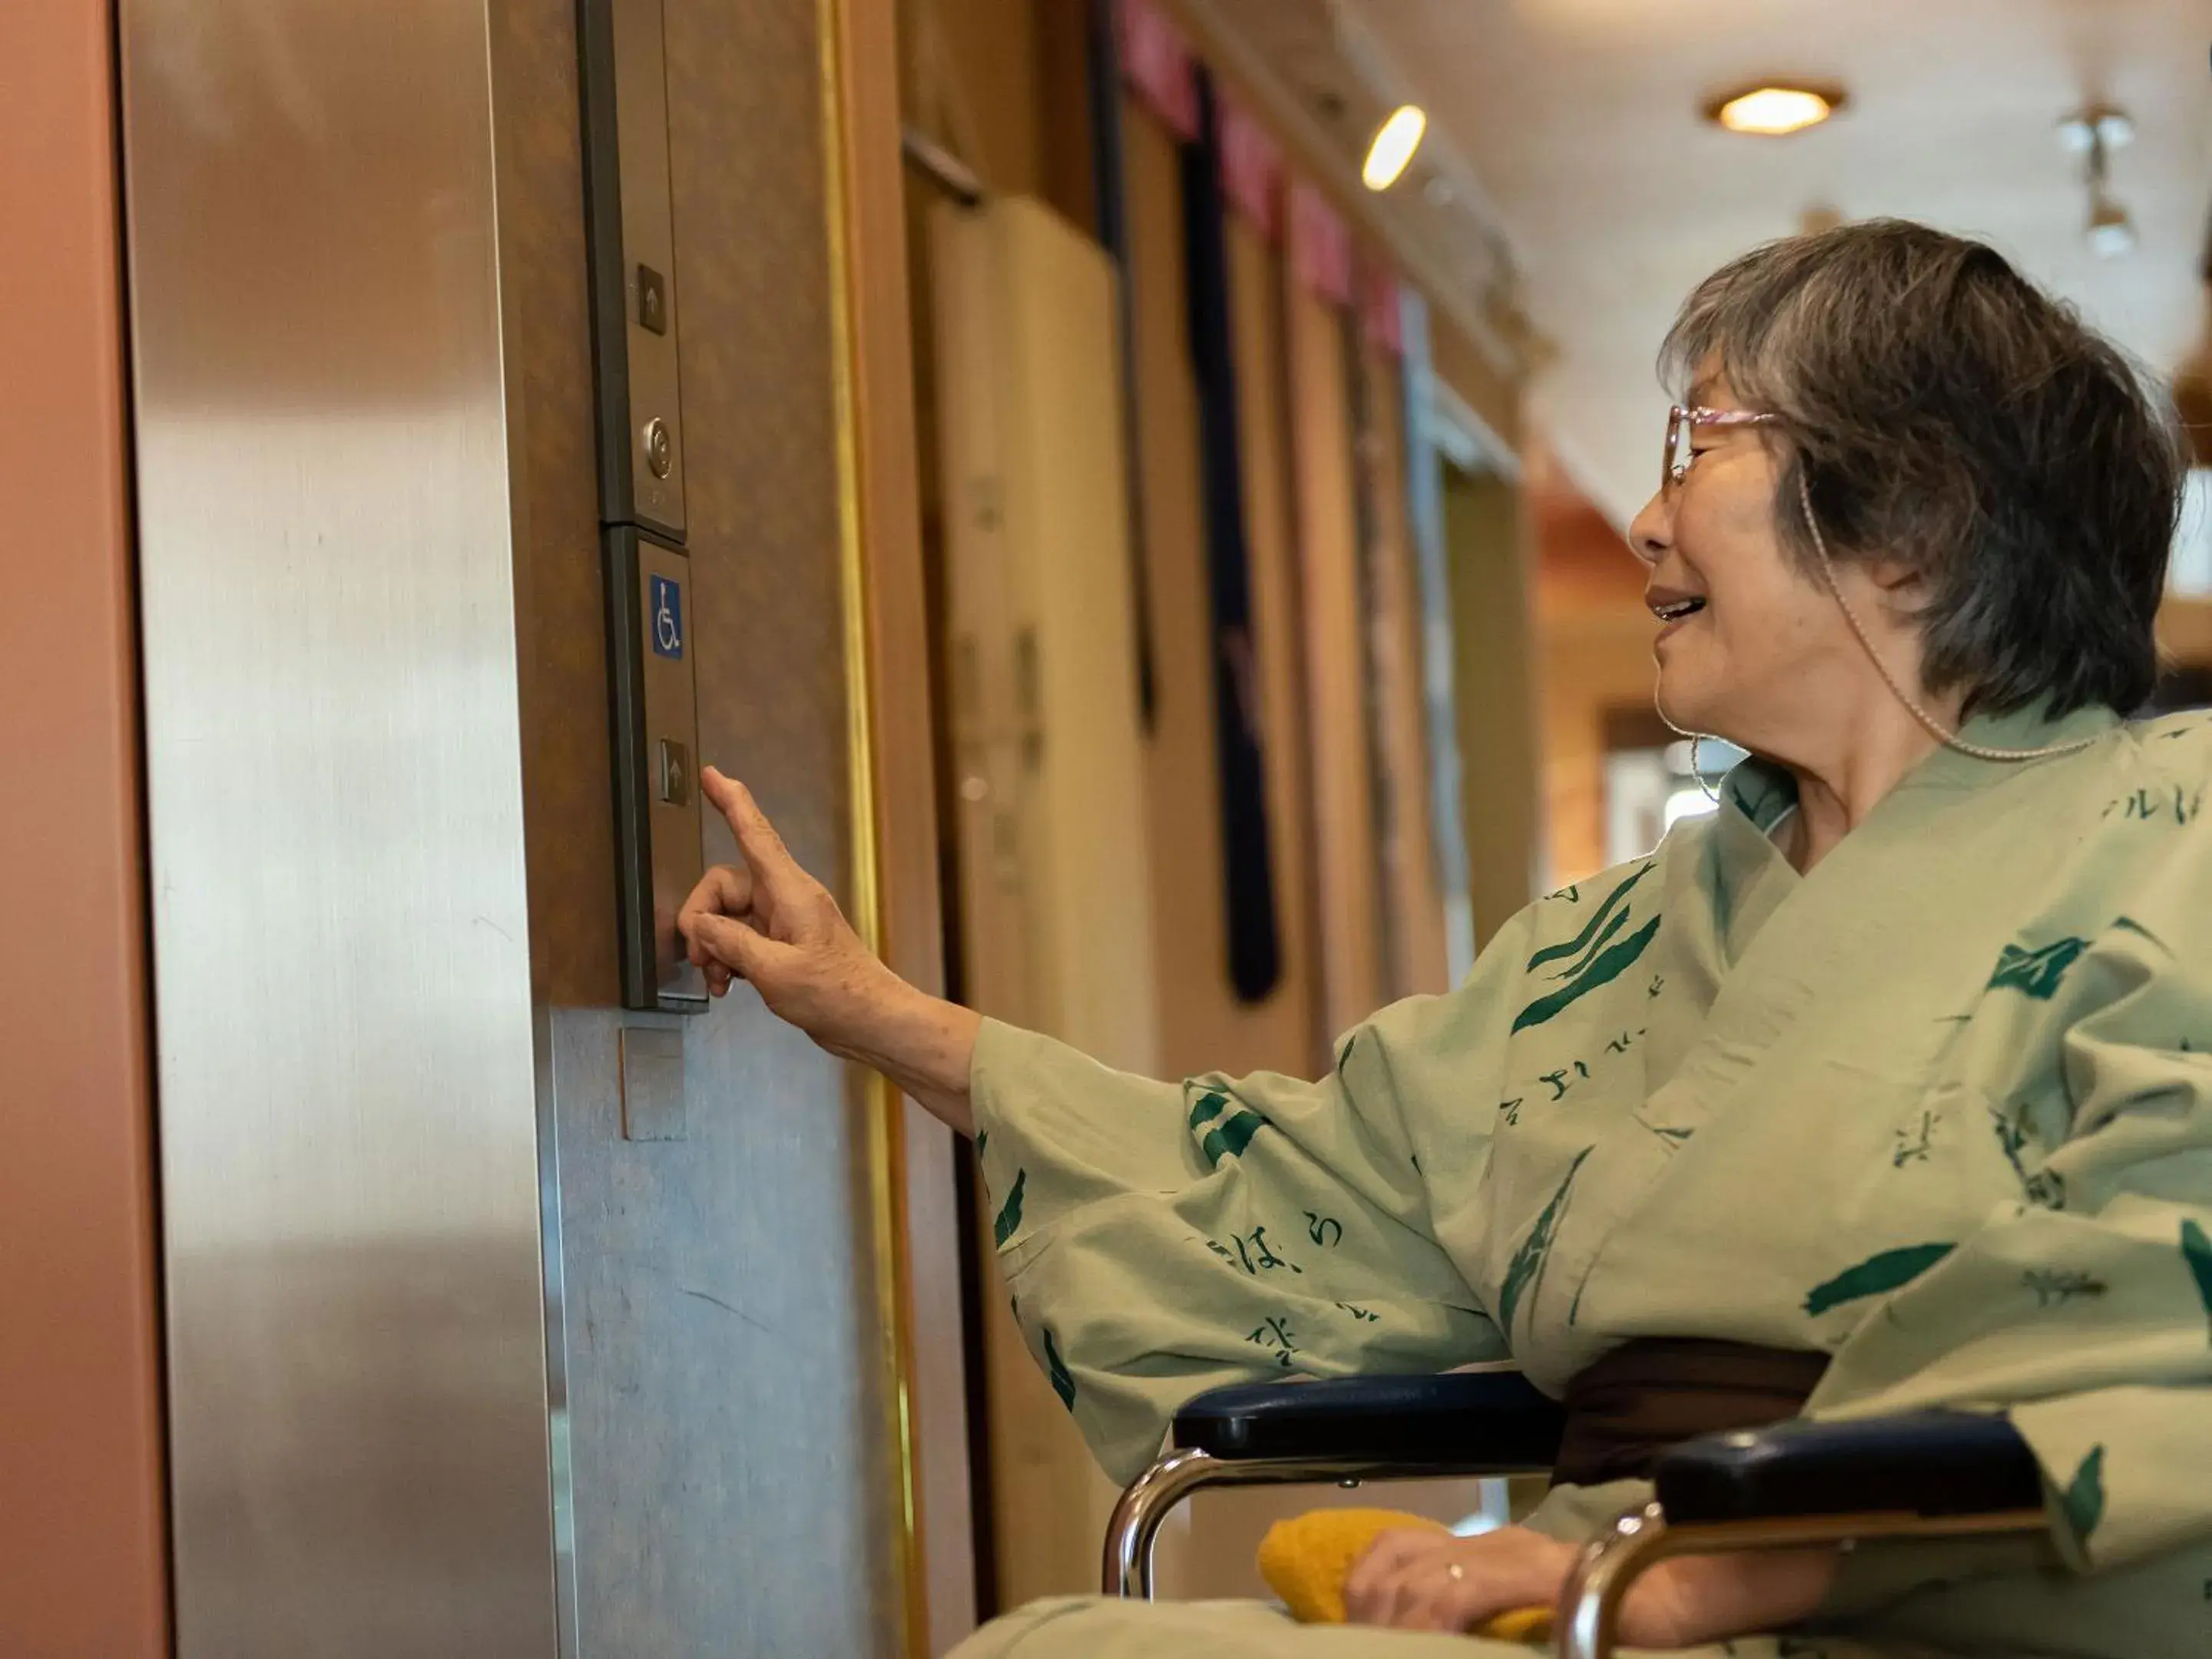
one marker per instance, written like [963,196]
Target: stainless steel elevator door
[347,1119]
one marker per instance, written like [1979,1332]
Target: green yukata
[1941,1109]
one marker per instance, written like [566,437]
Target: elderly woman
[1888,1085]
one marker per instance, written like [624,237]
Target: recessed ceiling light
[1393,147]
[2094,134]
[2110,232]
[1770,110]
[2099,126]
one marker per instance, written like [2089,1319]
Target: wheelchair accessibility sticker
[667,619]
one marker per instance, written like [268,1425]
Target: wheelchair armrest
[1496,1420]
[1926,1463]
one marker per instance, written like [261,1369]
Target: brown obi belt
[1656,1392]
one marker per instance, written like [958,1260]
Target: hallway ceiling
[1580,118]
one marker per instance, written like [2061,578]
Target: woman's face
[1767,659]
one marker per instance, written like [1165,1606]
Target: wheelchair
[1923,1475]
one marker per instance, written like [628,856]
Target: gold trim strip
[885,1110]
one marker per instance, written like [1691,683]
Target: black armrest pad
[1934,1462]
[1494,1419]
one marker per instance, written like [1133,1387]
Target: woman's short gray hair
[1944,411]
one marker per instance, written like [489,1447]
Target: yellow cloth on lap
[1306,1559]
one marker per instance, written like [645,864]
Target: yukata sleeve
[2084,1310]
[1163,1239]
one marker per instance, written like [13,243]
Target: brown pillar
[82,1568]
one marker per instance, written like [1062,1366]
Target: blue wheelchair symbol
[667,619]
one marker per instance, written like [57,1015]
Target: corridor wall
[81,1533]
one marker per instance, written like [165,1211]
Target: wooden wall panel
[1062,95]
[980,57]
[1412,888]
[2184,630]
[1587,668]
[1353,971]
[1595,655]
[1494,680]
[82,1568]
[1492,395]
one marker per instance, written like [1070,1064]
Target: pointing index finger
[765,854]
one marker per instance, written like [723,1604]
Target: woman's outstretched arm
[1158,1237]
[769,922]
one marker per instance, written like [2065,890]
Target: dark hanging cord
[1256,963]
[1109,189]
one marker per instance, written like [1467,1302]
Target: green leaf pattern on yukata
[2036,972]
[1883,1272]
[1528,1260]
[1230,1135]
[1063,1380]
[2083,1500]
[2197,1251]
[1596,931]
[1010,1213]
[1606,966]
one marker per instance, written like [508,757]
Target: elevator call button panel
[656,720]
[637,395]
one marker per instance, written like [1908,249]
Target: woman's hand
[1708,1598]
[770,923]
[1406,1581]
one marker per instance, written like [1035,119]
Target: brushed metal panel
[357,1358]
[720,1423]
[653,1083]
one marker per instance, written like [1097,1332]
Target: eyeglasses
[1682,423]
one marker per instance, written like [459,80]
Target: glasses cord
[1936,728]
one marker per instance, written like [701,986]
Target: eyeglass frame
[1670,473]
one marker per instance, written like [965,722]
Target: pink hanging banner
[1251,169]
[1156,62]
[1380,318]
[1321,246]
